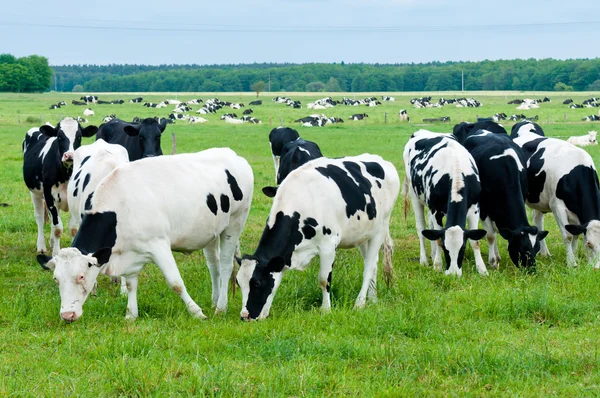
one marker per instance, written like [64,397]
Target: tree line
[24,75]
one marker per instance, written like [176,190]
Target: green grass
[507,334]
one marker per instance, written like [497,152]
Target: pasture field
[511,333]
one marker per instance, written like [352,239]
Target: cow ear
[476,234]
[575,229]
[542,235]
[162,124]
[89,131]
[270,191]
[46,262]
[102,255]
[275,265]
[131,130]
[433,234]
[506,233]
[238,260]
[48,130]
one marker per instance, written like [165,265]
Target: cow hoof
[359,306]
[130,318]
[42,251]
[219,311]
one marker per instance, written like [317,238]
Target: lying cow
[197,119]
[359,116]
[132,223]
[584,140]
[88,112]
[47,159]
[441,174]
[278,137]
[361,192]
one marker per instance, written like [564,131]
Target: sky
[298,31]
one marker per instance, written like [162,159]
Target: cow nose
[68,157]
[68,316]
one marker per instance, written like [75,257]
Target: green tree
[315,86]
[258,87]
[560,86]
[333,85]
[77,88]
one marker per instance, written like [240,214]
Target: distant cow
[88,112]
[403,116]
[584,140]
[140,139]
[443,119]
[90,98]
[359,116]
[278,137]
[361,192]
[109,118]
[78,103]
[591,118]
[138,99]
[197,119]
[47,166]
[567,101]
[257,102]
[133,222]
[248,111]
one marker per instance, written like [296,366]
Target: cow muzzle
[69,316]
[68,157]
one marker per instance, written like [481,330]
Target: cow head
[591,231]
[523,244]
[258,281]
[453,244]
[149,132]
[75,274]
[68,134]
[592,137]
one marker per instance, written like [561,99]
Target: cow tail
[232,282]
[388,251]
[46,218]
[405,188]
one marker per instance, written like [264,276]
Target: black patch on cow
[235,188]
[326,231]
[308,230]
[580,191]
[375,170]
[281,240]
[88,202]
[77,174]
[224,203]
[97,231]
[75,191]
[86,181]
[530,147]
[536,178]
[85,159]
[352,192]
[378,184]
[329,282]
[211,202]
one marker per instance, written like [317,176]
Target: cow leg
[326,258]
[124,289]
[493,253]
[230,241]
[38,211]
[419,210]
[432,244]
[370,252]
[437,260]
[473,222]
[131,288]
[73,224]
[165,261]
[560,214]
[538,221]
[211,253]
[56,230]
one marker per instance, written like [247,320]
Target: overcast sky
[298,31]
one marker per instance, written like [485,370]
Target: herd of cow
[130,206]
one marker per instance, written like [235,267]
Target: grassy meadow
[508,334]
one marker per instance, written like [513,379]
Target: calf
[584,140]
[131,224]
[503,175]
[562,180]
[278,137]
[441,174]
[47,166]
[140,139]
[360,194]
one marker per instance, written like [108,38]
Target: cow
[515,102]
[386,98]
[138,99]
[293,155]
[443,119]
[501,164]
[178,116]
[576,106]
[359,116]
[78,103]
[248,111]
[584,140]
[403,115]
[109,118]
[462,130]
[197,119]
[47,166]
[90,98]
[442,175]
[591,118]
[81,119]
[562,180]
[361,192]
[228,115]
[567,101]
[278,137]
[251,119]
[88,112]
[131,224]
[100,102]
[140,139]
[55,106]
[257,102]
[230,120]
[117,102]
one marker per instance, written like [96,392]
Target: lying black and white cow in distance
[563,180]
[361,192]
[131,224]
[503,175]
[442,175]
[140,139]
[359,116]
[47,166]
[90,98]
[278,137]
[137,99]
[443,119]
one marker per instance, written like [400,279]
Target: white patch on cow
[303,150]
[532,238]
[243,279]
[458,183]
[592,240]
[46,147]
[454,239]
[510,152]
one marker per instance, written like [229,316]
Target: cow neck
[281,239]
[98,230]
[457,213]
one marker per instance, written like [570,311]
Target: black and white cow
[47,166]
[134,100]
[403,115]
[562,180]
[359,116]
[74,102]
[360,194]
[462,130]
[503,175]
[278,137]
[257,102]
[442,175]
[89,98]
[293,155]
[248,111]
[131,223]
[140,139]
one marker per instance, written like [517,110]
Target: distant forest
[24,75]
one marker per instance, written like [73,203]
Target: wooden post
[173,144]
[385,117]
[280,121]
[270,120]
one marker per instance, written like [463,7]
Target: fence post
[385,118]
[281,121]
[565,117]
[173,144]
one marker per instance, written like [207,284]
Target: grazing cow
[138,99]
[501,164]
[359,116]
[278,137]
[131,223]
[293,155]
[47,160]
[442,175]
[361,192]
[197,119]
[562,180]
[403,116]
[584,140]
[257,102]
[88,112]
[140,139]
